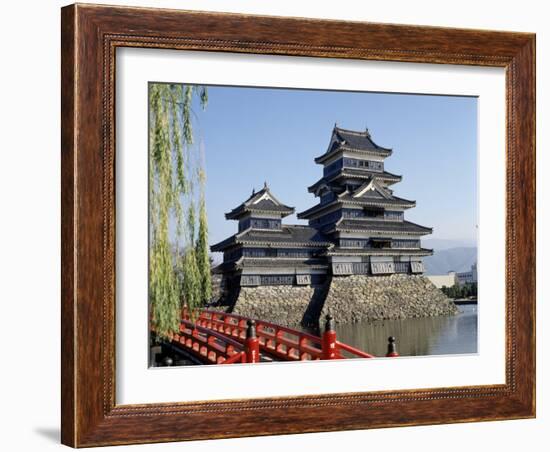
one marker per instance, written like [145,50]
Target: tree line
[466,290]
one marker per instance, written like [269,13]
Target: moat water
[416,337]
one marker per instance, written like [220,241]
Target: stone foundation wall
[346,298]
[358,297]
[285,305]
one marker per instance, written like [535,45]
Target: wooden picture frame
[90,36]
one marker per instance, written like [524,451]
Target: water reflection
[416,337]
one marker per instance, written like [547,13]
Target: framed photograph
[283,225]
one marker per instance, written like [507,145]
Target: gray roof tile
[254,203]
[381,226]
[289,234]
[353,140]
[351,173]
[337,251]
[356,140]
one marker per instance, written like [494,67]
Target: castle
[357,228]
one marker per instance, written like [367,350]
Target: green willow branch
[176,270]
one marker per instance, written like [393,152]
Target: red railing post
[330,350]
[252,344]
[242,328]
[392,350]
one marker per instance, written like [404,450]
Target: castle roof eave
[391,200]
[337,251]
[224,244]
[286,244]
[364,137]
[390,227]
[262,201]
[343,148]
[312,263]
[352,140]
[361,202]
[237,213]
[360,174]
[289,236]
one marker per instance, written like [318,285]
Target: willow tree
[173,268]
[203,260]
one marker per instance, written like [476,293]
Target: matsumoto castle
[358,226]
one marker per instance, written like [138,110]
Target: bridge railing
[277,340]
[280,341]
[214,347]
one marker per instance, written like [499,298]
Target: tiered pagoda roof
[352,173]
[369,194]
[348,201]
[390,201]
[288,235]
[243,262]
[350,140]
[377,226]
[357,199]
[260,202]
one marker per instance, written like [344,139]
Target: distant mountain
[458,259]
[445,244]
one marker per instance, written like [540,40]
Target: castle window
[380,243]
[393,215]
[259,223]
[366,164]
[371,212]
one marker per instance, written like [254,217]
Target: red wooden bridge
[213,337]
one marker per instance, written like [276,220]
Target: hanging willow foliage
[174,272]
[203,260]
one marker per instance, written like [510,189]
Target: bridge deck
[221,338]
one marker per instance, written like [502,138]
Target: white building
[468,277]
[448,280]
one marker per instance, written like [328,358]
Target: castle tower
[265,251]
[359,213]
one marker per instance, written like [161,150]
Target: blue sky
[252,135]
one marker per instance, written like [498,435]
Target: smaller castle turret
[267,252]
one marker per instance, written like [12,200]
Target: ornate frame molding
[90,36]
